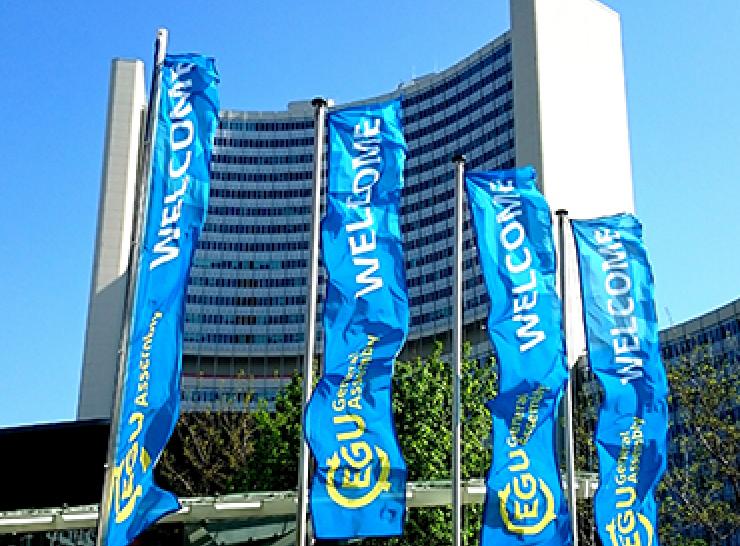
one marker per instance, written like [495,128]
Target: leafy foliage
[218,452]
[207,452]
[422,407]
[222,452]
[699,492]
[274,466]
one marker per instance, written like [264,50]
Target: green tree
[207,453]
[422,407]
[700,489]
[224,451]
[274,465]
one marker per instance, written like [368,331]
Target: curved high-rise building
[549,92]
[246,301]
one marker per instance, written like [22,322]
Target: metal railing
[246,505]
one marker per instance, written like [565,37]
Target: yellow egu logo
[355,455]
[628,528]
[124,489]
[623,530]
[358,463]
[529,515]
[125,492]
[526,503]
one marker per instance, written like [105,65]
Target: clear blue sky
[683,92]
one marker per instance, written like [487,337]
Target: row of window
[246,301]
[271,246]
[244,339]
[270,143]
[430,220]
[239,399]
[291,282]
[448,102]
[257,211]
[243,320]
[425,183]
[429,239]
[237,125]
[410,171]
[443,235]
[235,211]
[423,167]
[231,159]
[474,123]
[472,282]
[430,277]
[457,115]
[427,297]
[490,154]
[434,127]
[446,292]
[261,177]
[419,169]
[419,242]
[407,119]
[429,258]
[476,301]
[229,193]
[283,282]
[431,316]
[255,228]
[429,202]
[283,319]
[235,338]
[711,335]
[251,265]
[456,80]
[443,273]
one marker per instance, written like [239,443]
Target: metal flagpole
[457,294]
[570,462]
[144,168]
[319,105]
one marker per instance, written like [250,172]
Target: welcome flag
[359,487]
[623,348]
[525,504]
[177,204]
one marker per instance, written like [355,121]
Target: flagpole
[319,105]
[457,294]
[570,463]
[141,195]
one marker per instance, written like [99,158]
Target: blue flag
[177,204]
[524,501]
[359,488]
[623,348]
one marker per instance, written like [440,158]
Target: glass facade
[246,299]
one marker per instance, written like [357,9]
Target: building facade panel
[246,298]
[126,106]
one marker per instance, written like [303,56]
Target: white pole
[457,295]
[141,199]
[319,105]
[570,462]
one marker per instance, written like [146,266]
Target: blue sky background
[683,92]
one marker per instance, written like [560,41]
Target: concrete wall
[570,113]
[569,104]
[126,106]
